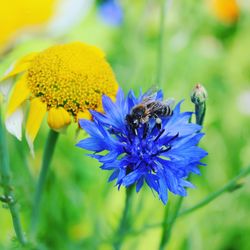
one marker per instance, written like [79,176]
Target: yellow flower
[63,80]
[29,16]
[226,10]
[16,15]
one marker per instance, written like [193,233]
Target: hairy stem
[8,198]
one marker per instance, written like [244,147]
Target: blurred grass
[80,209]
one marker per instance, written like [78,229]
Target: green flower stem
[168,223]
[165,224]
[22,153]
[229,186]
[8,198]
[47,157]
[200,111]
[125,220]
[160,50]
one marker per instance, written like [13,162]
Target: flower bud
[199,94]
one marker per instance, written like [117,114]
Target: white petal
[5,87]
[14,123]
[68,13]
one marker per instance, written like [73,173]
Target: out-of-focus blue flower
[162,157]
[110,11]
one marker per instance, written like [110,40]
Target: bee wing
[150,95]
[148,99]
[170,102]
[151,91]
[154,107]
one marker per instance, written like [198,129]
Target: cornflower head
[64,81]
[160,154]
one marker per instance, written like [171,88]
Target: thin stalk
[164,225]
[229,186]
[124,222]
[23,156]
[47,157]
[168,225]
[8,198]
[200,111]
[160,49]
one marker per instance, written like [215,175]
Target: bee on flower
[159,149]
[63,81]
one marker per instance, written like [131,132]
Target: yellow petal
[37,112]
[20,66]
[19,95]
[58,119]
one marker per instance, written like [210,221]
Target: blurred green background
[80,210]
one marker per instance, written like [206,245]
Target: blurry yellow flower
[226,10]
[22,16]
[63,80]
[16,15]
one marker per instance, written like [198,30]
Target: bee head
[138,111]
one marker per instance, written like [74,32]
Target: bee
[149,108]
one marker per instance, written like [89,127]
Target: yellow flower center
[73,76]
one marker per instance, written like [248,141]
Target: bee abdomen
[167,111]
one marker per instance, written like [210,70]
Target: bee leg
[158,123]
[135,131]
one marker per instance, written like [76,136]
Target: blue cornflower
[111,12]
[162,156]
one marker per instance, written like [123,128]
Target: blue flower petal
[131,177]
[114,175]
[90,128]
[110,157]
[92,144]
[139,184]
[163,190]
[152,181]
